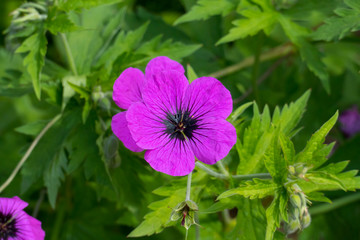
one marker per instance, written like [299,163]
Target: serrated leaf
[283,204]
[54,175]
[35,47]
[316,141]
[274,162]
[290,115]
[222,204]
[205,9]
[325,178]
[309,54]
[60,24]
[318,197]
[51,143]
[335,168]
[287,148]
[68,5]
[257,188]
[249,27]
[350,182]
[273,218]
[124,42]
[336,27]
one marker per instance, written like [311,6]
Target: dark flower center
[181,125]
[7,226]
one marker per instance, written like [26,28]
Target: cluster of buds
[298,170]
[299,217]
[29,11]
[186,212]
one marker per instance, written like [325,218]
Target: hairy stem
[28,152]
[188,187]
[327,207]
[69,54]
[237,177]
[247,62]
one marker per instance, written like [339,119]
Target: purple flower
[172,120]
[350,121]
[16,224]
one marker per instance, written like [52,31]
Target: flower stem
[279,51]
[256,67]
[326,207]
[188,187]
[238,177]
[69,54]
[222,168]
[28,152]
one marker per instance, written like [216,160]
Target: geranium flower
[16,224]
[350,121]
[172,120]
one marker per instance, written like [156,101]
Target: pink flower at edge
[16,223]
[172,120]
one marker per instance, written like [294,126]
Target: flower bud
[185,210]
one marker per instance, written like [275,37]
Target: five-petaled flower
[172,120]
[16,224]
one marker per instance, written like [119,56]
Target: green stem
[247,62]
[238,177]
[69,54]
[188,187]
[222,168]
[327,207]
[28,152]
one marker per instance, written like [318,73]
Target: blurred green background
[282,79]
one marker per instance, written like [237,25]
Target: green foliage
[205,9]
[35,47]
[69,53]
[336,27]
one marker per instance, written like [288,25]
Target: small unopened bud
[306,219]
[292,226]
[185,210]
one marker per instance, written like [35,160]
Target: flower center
[7,226]
[180,125]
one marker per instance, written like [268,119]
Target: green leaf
[191,74]
[256,139]
[173,50]
[273,218]
[54,175]
[32,129]
[236,114]
[335,28]
[68,91]
[316,142]
[250,220]
[318,197]
[60,24]
[222,204]
[325,178]
[47,148]
[287,148]
[124,42]
[290,115]
[274,162]
[350,182]
[257,188]
[249,27]
[35,47]
[68,5]
[309,54]
[205,9]
[335,168]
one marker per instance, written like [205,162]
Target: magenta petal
[127,88]
[147,129]
[38,233]
[12,205]
[207,96]
[119,126]
[160,64]
[213,140]
[175,158]
[164,92]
